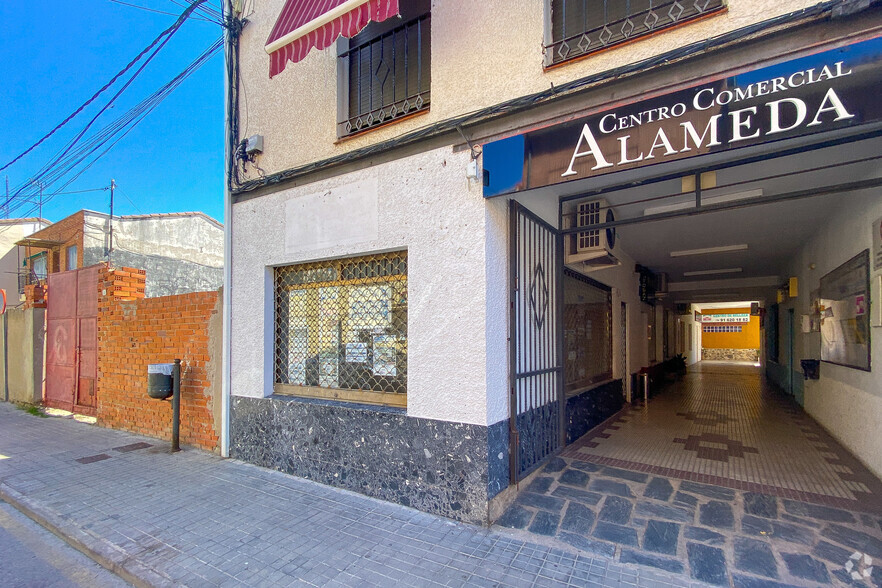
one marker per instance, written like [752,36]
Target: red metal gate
[72,340]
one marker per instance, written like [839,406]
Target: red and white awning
[304,24]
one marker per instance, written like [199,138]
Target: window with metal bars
[341,329]
[385,70]
[587,332]
[722,328]
[580,27]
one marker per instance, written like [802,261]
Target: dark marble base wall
[449,469]
[538,435]
[589,409]
[498,457]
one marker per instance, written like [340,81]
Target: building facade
[181,252]
[417,310]
[13,230]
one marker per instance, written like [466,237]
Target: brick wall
[69,231]
[133,332]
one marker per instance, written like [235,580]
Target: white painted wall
[483,53]
[847,402]
[457,250]
[190,237]
[12,230]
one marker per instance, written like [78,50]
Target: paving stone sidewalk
[717,535]
[194,519]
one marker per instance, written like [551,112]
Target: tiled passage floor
[724,424]
[720,478]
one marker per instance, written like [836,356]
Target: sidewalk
[195,519]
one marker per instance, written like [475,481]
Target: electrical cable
[110,134]
[148,9]
[135,206]
[104,87]
[168,33]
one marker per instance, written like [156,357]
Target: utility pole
[112,188]
[6,207]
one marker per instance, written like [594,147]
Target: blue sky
[54,54]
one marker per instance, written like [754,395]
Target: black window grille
[580,27]
[341,329]
[388,70]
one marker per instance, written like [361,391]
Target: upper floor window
[385,70]
[580,27]
[39,266]
[72,257]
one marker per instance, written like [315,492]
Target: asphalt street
[32,557]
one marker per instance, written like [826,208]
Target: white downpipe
[228,259]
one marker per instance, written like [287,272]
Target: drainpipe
[228,254]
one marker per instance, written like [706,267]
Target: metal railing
[389,76]
[583,27]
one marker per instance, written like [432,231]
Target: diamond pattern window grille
[341,325]
[389,70]
[539,295]
[615,21]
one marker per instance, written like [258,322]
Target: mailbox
[159,380]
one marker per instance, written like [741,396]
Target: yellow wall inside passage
[748,338]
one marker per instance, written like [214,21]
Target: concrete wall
[21,377]
[846,401]
[180,252]
[482,54]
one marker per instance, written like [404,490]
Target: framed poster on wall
[845,316]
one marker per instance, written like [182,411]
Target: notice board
[845,313]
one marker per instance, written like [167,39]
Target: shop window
[581,27]
[72,257]
[341,329]
[587,332]
[385,70]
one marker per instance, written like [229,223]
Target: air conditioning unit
[591,249]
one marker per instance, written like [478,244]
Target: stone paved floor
[724,424]
[194,519]
[717,534]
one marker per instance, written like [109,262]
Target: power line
[108,136]
[168,33]
[122,72]
[148,9]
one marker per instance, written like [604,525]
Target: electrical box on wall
[254,145]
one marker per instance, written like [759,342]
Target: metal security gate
[536,425]
[72,340]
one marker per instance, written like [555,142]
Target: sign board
[845,324]
[726,318]
[812,94]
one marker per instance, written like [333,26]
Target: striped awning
[304,24]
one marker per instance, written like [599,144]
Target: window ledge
[383,125]
[284,397]
[548,66]
[363,398]
[590,387]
